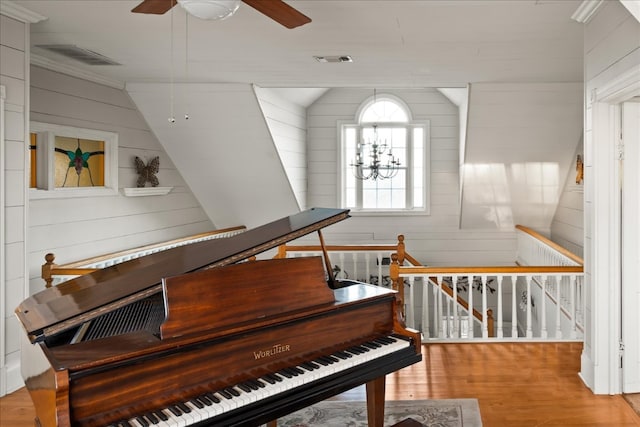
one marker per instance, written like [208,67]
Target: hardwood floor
[525,384]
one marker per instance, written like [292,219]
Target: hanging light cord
[172,118]
[186,55]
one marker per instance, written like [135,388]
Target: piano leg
[273,423]
[375,402]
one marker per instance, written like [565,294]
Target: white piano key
[245,398]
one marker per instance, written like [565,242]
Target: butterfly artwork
[147,173]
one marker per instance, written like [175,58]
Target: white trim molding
[3,368]
[52,65]
[586,10]
[12,10]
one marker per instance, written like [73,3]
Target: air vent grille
[337,58]
[85,56]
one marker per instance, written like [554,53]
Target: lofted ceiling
[393,44]
[417,43]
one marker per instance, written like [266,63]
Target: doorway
[629,165]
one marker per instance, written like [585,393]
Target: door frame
[600,368]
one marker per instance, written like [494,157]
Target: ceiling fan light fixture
[210,9]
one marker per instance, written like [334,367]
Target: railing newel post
[46,269]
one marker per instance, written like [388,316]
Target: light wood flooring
[524,384]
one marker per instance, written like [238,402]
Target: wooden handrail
[75,268]
[551,244]
[529,269]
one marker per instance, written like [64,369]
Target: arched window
[383,161]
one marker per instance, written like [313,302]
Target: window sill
[146,191]
[64,193]
[353,212]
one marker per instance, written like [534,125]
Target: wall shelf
[146,191]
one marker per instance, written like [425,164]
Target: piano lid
[81,299]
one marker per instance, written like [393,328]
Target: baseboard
[12,377]
[586,370]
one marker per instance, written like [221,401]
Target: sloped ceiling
[393,43]
[223,151]
[520,144]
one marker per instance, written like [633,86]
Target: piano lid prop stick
[327,262]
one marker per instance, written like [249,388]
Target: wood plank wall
[14,74]
[82,227]
[434,239]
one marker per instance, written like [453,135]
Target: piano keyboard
[203,408]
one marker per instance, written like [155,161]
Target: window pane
[384,110]
[78,162]
[418,167]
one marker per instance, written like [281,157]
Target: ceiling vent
[341,58]
[85,56]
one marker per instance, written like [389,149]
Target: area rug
[432,413]
[633,400]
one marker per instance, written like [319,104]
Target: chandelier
[374,159]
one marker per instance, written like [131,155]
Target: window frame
[343,169]
[45,154]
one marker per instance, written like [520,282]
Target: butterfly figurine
[147,173]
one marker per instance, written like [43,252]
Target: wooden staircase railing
[50,270]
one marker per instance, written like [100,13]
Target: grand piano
[197,335]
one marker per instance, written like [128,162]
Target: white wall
[433,239]
[567,227]
[287,123]
[77,228]
[14,75]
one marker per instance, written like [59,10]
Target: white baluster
[514,308]
[456,326]
[426,329]
[529,328]
[543,311]
[574,324]
[410,304]
[499,332]
[439,309]
[485,327]
[470,314]
[558,318]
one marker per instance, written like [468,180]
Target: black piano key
[233,391]
[291,371]
[285,374]
[197,403]
[183,407]
[151,418]
[269,379]
[371,345]
[204,399]
[321,362]
[259,383]
[276,377]
[160,414]
[175,410]
[244,387]
[213,397]
[142,421]
[308,366]
[225,394]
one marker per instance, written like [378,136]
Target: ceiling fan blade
[280,12]
[157,7]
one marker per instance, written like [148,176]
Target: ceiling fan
[277,10]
